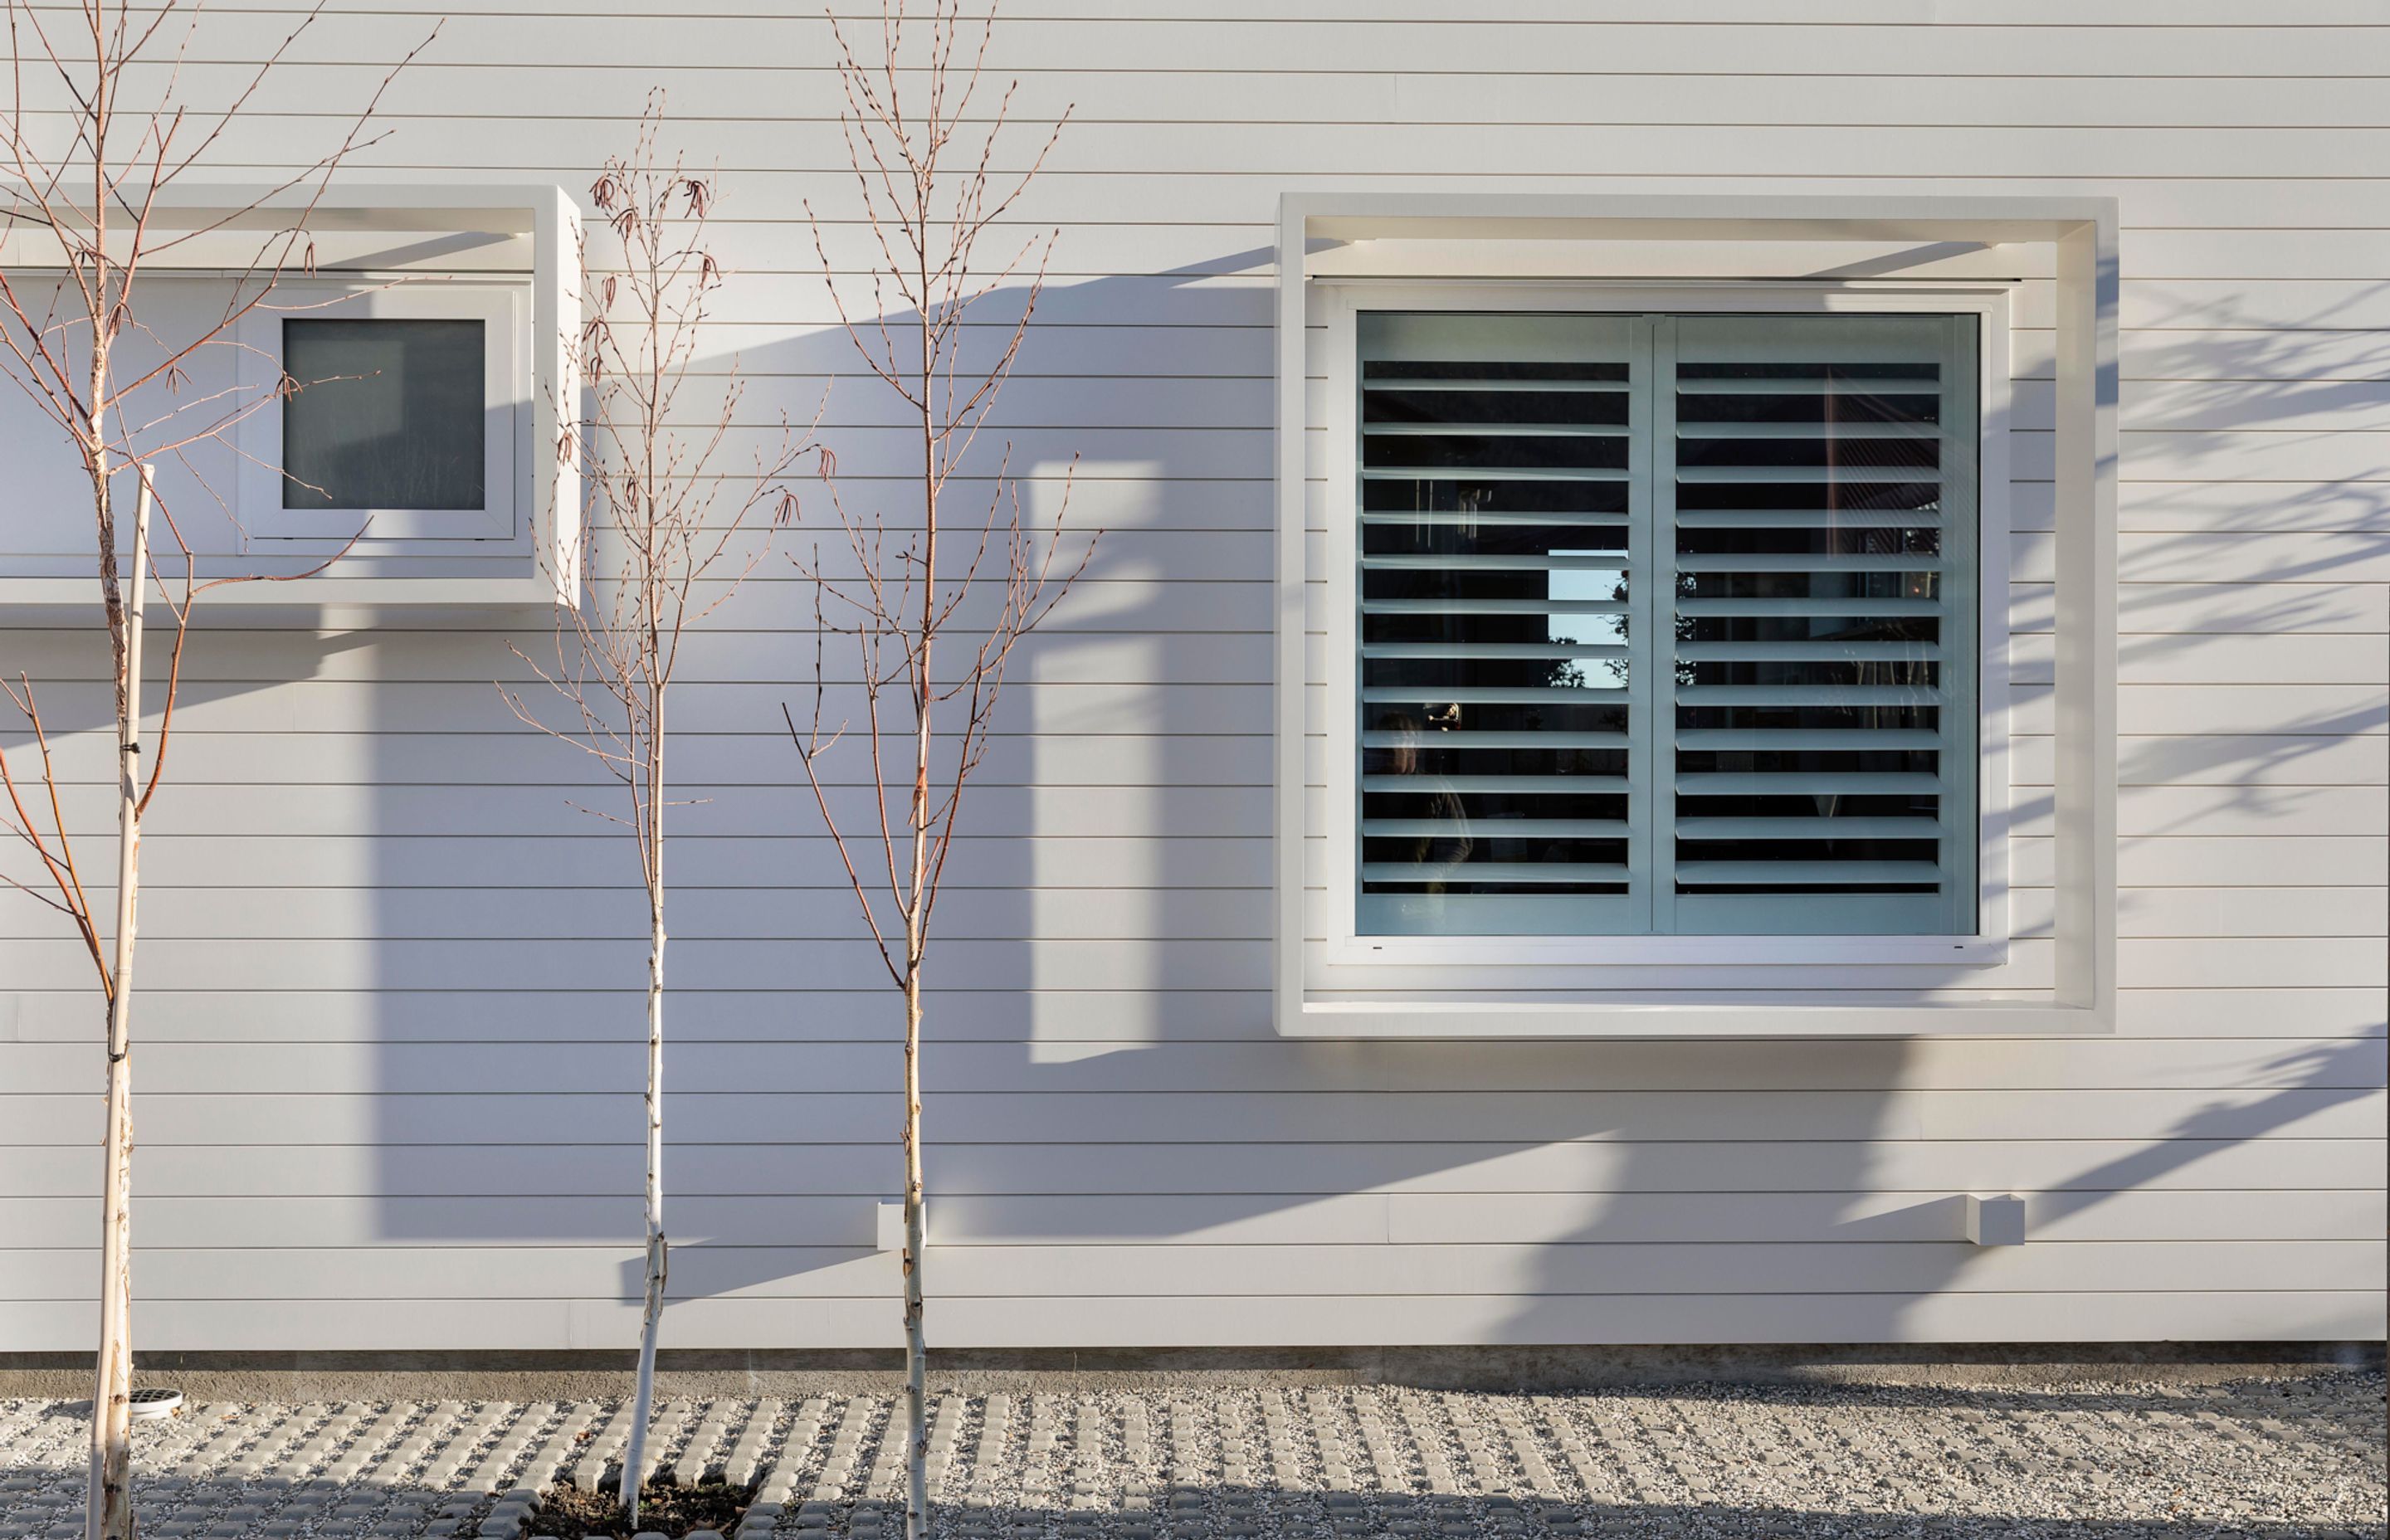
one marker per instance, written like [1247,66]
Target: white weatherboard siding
[387,1082]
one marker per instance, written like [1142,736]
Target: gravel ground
[2099,1461]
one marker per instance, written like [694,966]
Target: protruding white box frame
[448,228]
[2083,235]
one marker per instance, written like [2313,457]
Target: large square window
[1665,624]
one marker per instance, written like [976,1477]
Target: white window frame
[503,310]
[1345,299]
[1481,238]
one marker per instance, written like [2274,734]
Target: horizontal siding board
[2319,760]
[1168,910]
[2301,603]
[611,1058]
[708,1271]
[448,85]
[583,859]
[171,963]
[1171,1220]
[999,912]
[1066,1022]
[1358,149]
[754,757]
[1201,1118]
[1094,40]
[611,1166]
[1888,14]
[2279,1315]
[2192,862]
[725,669]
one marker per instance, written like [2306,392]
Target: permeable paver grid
[2091,1461]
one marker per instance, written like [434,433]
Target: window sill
[52,599]
[1655,951]
[1375,1019]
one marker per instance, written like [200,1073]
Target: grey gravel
[2292,1458]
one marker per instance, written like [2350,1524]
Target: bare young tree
[895,591]
[94,138]
[667,539]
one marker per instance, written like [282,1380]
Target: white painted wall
[388,1064]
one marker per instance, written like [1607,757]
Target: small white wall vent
[891,1215]
[1995,1221]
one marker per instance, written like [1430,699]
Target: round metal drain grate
[155,1403]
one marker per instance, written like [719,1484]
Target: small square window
[406,419]
[389,414]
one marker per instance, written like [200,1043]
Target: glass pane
[1824,639]
[1494,520]
[388,415]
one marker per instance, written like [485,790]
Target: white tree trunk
[916,1347]
[108,1498]
[635,1455]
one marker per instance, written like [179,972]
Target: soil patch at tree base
[664,1508]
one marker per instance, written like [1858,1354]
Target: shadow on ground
[222,1510]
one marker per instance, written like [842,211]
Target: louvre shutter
[1503,511]
[1817,498]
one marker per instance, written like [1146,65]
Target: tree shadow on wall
[1107,1098]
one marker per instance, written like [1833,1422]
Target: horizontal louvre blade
[1494,607]
[1804,782]
[1845,740]
[1466,740]
[1492,431]
[1498,829]
[1806,695]
[1843,386]
[1525,562]
[1487,695]
[1554,387]
[1491,650]
[1823,651]
[1757,431]
[1808,518]
[1520,873]
[1771,561]
[1886,608]
[1808,828]
[1474,520]
[1528,785]
[1474,474]
[1807,874]
[1804,475]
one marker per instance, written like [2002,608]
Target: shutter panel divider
[1655,624]
[1961,760]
